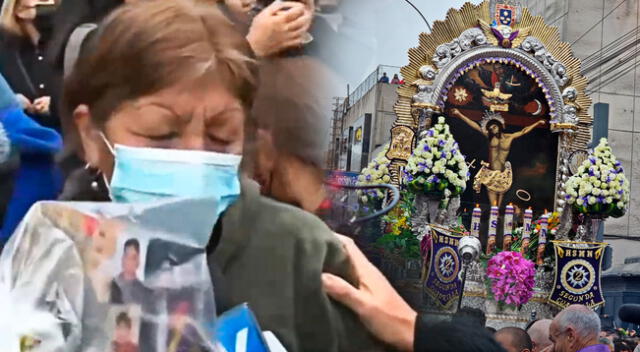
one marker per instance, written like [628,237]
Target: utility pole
[333,154]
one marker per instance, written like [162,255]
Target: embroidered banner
[443,284]
[577,274]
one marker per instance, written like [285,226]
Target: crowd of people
[238,89]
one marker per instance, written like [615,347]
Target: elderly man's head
[574,328]
[513,339]
[539,333]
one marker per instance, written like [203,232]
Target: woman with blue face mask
[159,96]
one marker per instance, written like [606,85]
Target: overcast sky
[397,27]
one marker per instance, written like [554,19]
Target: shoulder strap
[72,50]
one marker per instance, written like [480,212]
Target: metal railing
[371,82]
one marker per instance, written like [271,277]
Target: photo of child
[123,336]
[125,323]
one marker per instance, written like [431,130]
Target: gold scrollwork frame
[463,27]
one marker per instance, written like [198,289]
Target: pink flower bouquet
[512,278]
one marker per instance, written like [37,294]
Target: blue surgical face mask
[149,174]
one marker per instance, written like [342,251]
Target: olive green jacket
[272,256]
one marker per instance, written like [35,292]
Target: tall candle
[493,228]
[508,227]
[542,239]
[526,233]
[475,221]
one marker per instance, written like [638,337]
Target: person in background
[622,346]
[290,145]
[195,83]
[395,79]
[123,335]
[392,320]
[609,333]
[384,78]
[470,316]
[514,339]
[539,333]
[24,33]
[576,329]
[37,177]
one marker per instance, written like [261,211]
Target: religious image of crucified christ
[496,175]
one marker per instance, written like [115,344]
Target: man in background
[514,339]
[384,78]
[576,329]
[470,316]
[539,333]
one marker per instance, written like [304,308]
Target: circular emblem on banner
[578,276]
[447,264]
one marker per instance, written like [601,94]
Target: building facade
[604,34]
[362,122]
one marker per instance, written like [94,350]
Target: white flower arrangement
[376,173]
[600,186]
[437,165]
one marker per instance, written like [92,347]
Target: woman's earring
[97,174]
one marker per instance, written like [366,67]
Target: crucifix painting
[500,117]
[496,173]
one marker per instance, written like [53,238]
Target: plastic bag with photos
[74,266]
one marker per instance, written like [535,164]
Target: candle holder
[526,233]
[493,229]
[508,227]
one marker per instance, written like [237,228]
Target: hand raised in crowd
[281,25]
[377,304]
[41,105]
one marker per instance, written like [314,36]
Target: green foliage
[399,239]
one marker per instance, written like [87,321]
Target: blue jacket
[37,177]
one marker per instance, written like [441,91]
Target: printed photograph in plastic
[128,272]
[124,323]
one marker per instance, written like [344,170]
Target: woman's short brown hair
[150,45]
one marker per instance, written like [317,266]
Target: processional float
[492,141]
